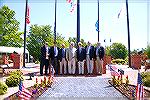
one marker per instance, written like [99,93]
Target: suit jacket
[43,52]
[61,54]
[91,52]
[101,52]
[81,55]
[52,54]
[70,54]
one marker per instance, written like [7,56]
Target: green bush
[3,88]
[17,72]
[146,81]
[14,78]
[148,52]
[118,61]
[146,78]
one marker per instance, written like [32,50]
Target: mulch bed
[36,92]
[129,91]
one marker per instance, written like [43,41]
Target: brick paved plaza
[75,88]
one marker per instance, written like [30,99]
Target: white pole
[148,44]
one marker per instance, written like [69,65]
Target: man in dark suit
[89,57]
[54,56]
[99,52]
[44,59]
[81,56]
[62,59]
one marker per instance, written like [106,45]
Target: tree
[74,39]
[118,51]
[9,28]
[36,38]
[38,35]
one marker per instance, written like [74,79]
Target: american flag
[69,1]
[73,4]
[114,70]
[24,94]
[139,88]
[28,16]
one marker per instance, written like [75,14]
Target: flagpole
[129,56]
[55,22]
[25,26]
[98,21]
[148,23]
[78,21]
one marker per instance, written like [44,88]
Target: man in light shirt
[70,56]
[89,57]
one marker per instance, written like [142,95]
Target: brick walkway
[75,88]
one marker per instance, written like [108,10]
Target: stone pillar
[136,61]
[18,61]
[107,60]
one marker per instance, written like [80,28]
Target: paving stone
[82,88]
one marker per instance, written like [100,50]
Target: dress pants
[99,65]
[89,64]
[63,63]
[44,62]
[55,64]
[81,67]
[72,66]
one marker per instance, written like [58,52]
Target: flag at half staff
[97,25]
[24,94]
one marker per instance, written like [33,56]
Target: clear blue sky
[42,13]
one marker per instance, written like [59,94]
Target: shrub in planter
[17,72]
[12,81]
[146,78]
[146,81]
[118,61]
[3,88]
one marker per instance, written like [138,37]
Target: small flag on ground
[24,94]
[96,25]
[114,71]
[139,88]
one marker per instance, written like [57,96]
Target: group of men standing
[63,58]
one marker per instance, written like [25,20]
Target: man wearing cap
[70,56]
[44,61]
[81,56]
[54,55]
[89,57]
[99,52]
[62,59]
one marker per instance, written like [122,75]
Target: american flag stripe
[21,97]
[28,15]
[69,1]
[24,94]
[139,88]
[113,71]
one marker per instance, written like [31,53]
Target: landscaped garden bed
[126,89]
[36,90]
